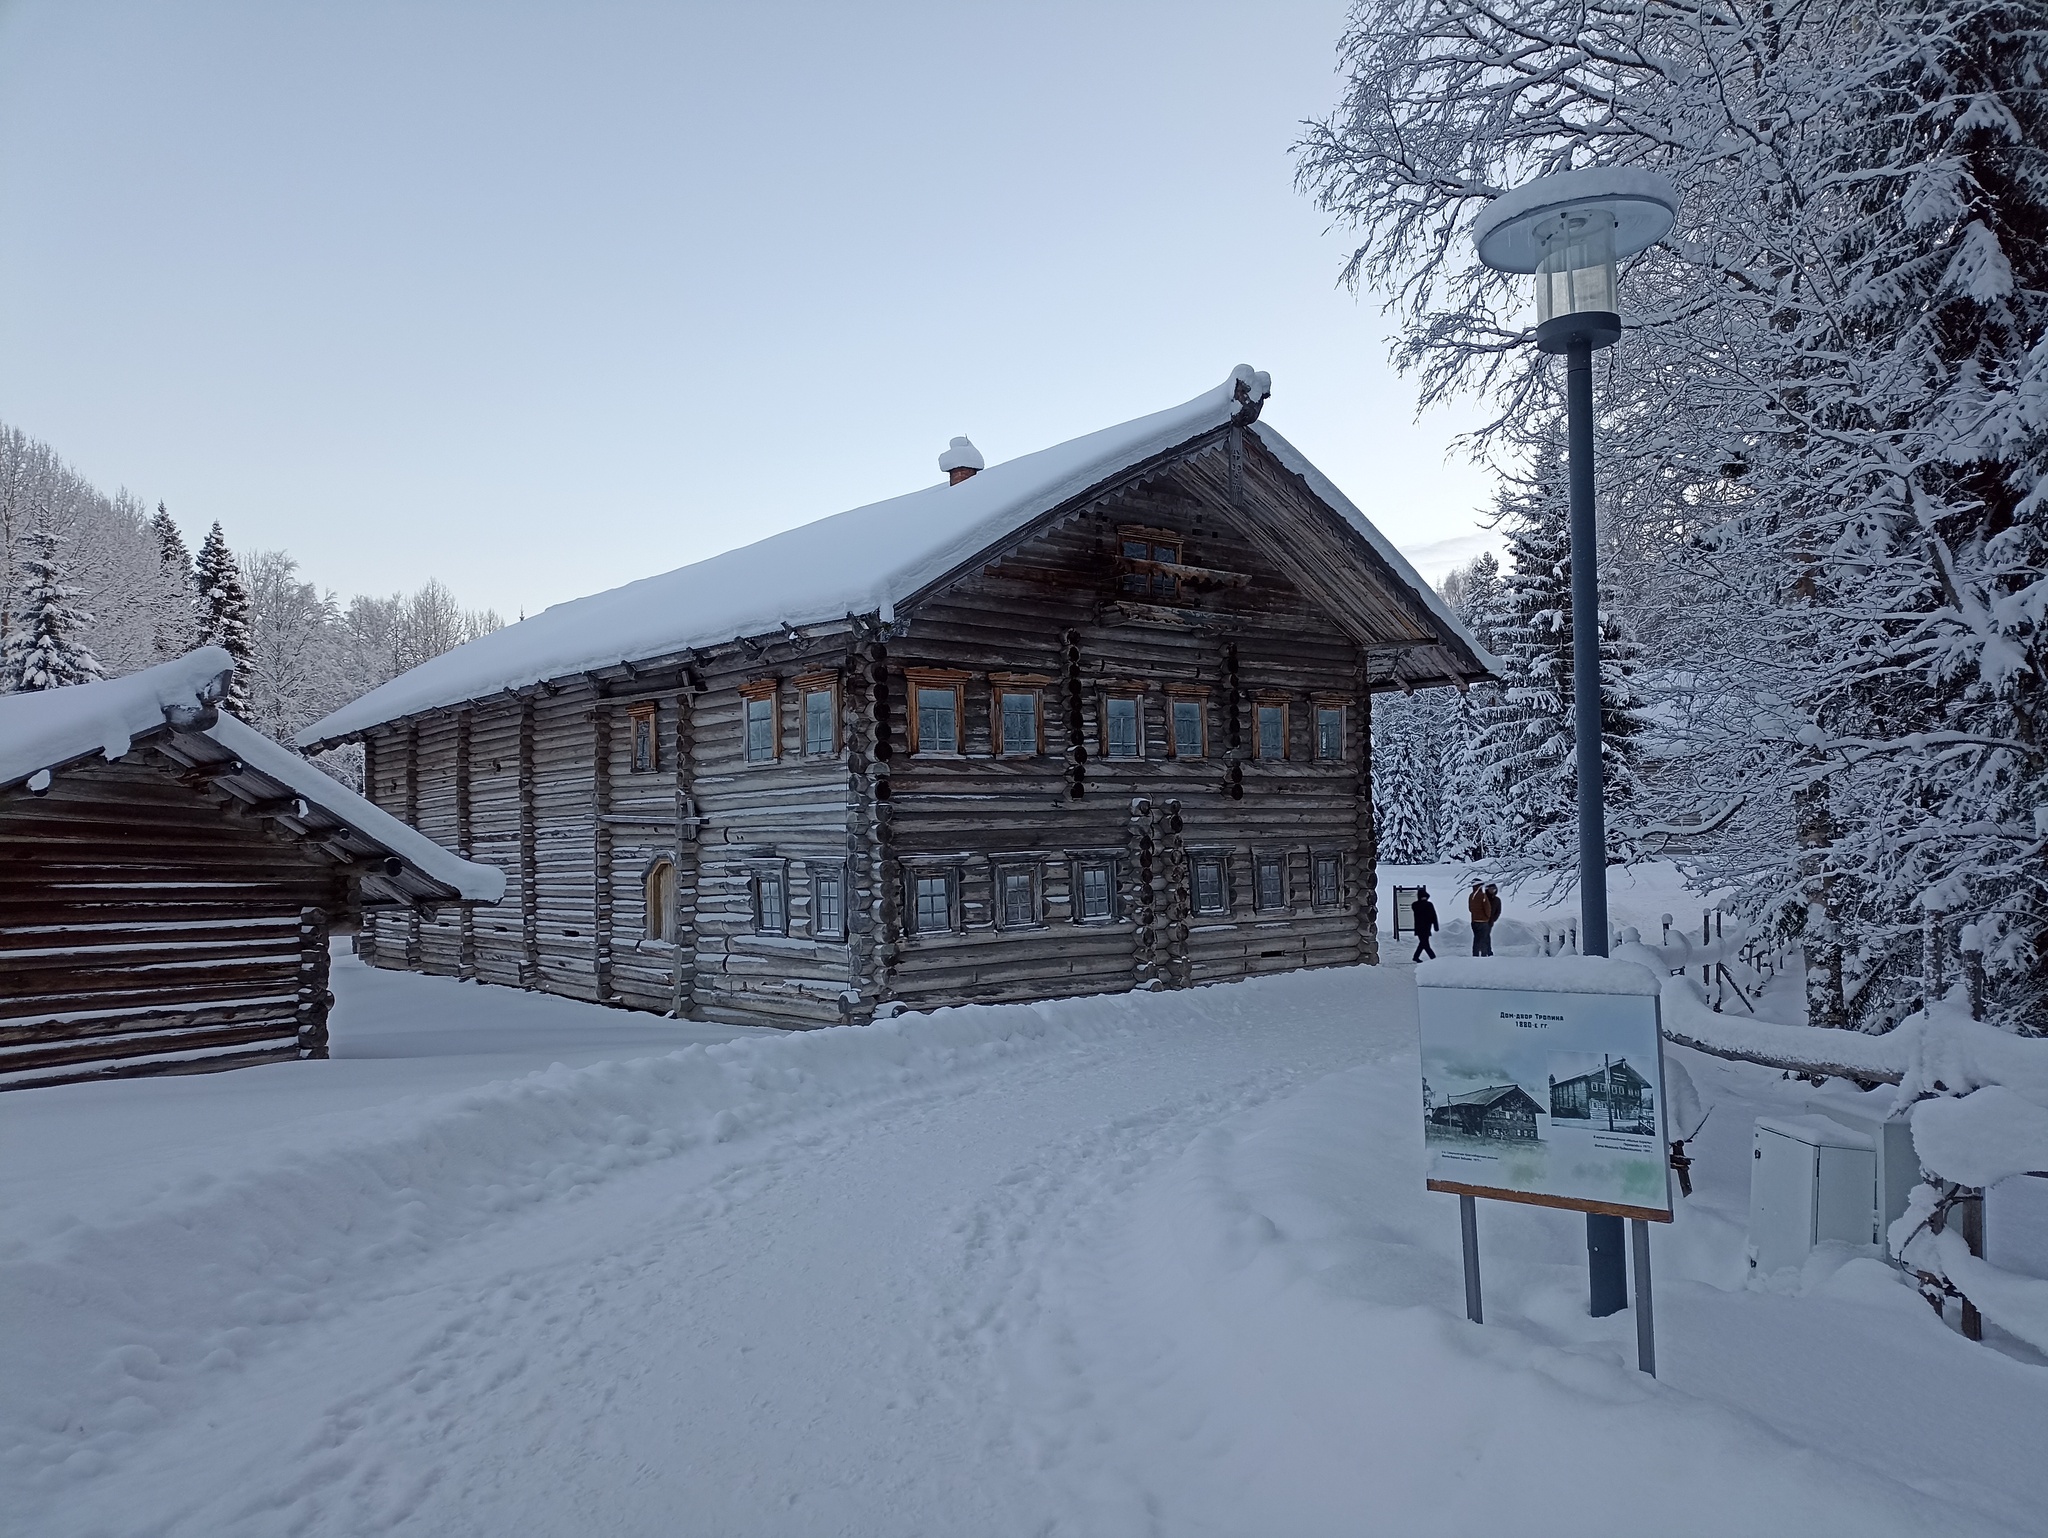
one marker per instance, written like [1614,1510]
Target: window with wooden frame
[1094,890]
[659,888]
[1123,724]
[771,900]
[1187,725]
[932,899]
[1209,876]
[1269,882]
[817,696]
[1019,895]
[1270,718]
[937,716]
[1140,550]
[761,720]
[1017,713]
[1329,719]
[828,902]
[1326,879]
[643,739]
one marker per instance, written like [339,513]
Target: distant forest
[303,650]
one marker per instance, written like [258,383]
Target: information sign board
[1543,1082]
[1404,910]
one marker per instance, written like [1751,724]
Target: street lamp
[1569,229]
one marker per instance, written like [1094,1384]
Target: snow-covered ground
[1147,1264]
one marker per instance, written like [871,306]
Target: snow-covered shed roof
[868,560]
[45,731]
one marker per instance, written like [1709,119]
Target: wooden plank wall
[221,963]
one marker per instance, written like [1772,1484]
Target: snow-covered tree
[1406,780]
[1823,441]
[1527,738]
[108,554]
[297,654]
[1473,592]
[224,613]
[174,615]
[45,649]
[1470,824]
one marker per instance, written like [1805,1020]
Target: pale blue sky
[541,298]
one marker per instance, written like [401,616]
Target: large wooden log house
[1094,719]
[169,877]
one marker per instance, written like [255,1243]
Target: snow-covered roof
[864,561]
[44,730]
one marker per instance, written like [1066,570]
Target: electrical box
[1810,1179]
[1891,1134]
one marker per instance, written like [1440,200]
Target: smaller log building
[169,878]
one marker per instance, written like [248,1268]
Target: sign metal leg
[1646,1324]
[1606,1265]
[1468,1227]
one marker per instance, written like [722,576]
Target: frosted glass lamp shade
[1576,275]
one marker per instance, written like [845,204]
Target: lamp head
[1569,229]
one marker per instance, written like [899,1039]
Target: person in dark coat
[1424,912]
[1480,907]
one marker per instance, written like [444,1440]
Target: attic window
[646,750]
[1141,550]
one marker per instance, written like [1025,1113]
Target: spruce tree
[224,612]
[1404,775]
[44,650]
[1527,738]
[174,625]
[1469,819]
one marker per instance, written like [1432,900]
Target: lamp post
[1569,229]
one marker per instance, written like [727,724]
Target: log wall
[145,927]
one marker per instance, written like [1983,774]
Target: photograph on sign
[1545,1095]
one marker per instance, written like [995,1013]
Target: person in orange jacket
[1480,906]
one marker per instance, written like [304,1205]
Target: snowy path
[1150,1265]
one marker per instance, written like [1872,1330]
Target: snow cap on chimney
[961,460]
